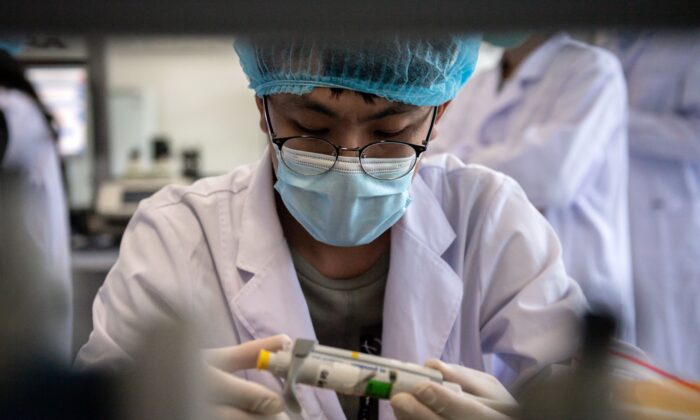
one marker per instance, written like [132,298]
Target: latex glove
[432,401]
[231,397]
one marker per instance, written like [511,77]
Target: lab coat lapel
[423,292]
[515,90]
[496,105]
[271,301]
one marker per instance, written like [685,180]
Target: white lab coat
[558,126]
[474,269]
[663,76]
[32,154]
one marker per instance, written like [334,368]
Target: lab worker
[341,230]
[663,80]
[552,115]
[29,154]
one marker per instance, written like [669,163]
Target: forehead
[346,104]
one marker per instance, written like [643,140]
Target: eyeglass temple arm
[430,129]
[266,111]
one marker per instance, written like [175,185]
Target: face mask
[344,206]
[13,45]
[506,39]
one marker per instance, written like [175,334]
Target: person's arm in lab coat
[676,135]
[28,141]
[552,160]
[531,309]
[145,286]
[30,157]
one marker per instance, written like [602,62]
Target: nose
[349,151]
[351,142]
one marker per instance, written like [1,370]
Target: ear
[440,112]
[261,111]
[263,127]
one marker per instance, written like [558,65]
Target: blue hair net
[417,71]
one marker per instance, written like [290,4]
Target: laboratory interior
[349,210]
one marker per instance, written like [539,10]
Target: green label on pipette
[378,389]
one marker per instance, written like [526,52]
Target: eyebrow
[318,107]
[391,110]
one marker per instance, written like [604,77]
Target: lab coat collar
[272,291]
[272,302]
[423,292]
[530,71]
[536,64]
[425,218]
[261,233]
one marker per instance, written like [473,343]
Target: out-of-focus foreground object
[333,16]
[612,380]
[32,304]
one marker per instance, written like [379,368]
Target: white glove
[231,397]
[432,401]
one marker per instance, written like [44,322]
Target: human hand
[484,397]
[231,397]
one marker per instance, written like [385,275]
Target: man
[663,80]
[553,116]
[342,233]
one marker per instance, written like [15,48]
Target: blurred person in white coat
[29,151]
[553,116]
[663,81]
[341,207]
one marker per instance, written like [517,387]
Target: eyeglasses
[383,159]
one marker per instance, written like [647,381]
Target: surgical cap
[417,71]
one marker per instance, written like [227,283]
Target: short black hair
[12,76]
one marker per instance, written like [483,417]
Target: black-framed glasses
[383,159]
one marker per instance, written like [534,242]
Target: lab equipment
[118,200]
[417,71]
[347,372]
[191,163]
[134,166]
[352,373]
[162,158]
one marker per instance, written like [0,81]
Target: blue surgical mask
[506,39]
[344,206]
[13,45]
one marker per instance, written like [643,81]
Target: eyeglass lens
[313,156]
